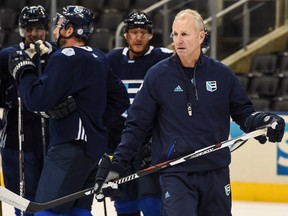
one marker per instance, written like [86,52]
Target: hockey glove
[109,188]
[62,110]
[259,119]
[19,63]
[143,157]
[38,47]
[103,175]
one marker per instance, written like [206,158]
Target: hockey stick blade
[23,204]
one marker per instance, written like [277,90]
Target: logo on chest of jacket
[211,86]
[178,89]
[167,195]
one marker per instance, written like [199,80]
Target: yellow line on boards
[251,191]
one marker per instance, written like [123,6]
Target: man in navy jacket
[78,136]
[188,100]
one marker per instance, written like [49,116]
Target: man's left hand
[275,123]
[275,133]
[19,62]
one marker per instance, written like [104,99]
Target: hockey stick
[21,153]
[235,141]
[43,120]
[25,205]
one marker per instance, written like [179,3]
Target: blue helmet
[32,15]
[138,20]
[80,17]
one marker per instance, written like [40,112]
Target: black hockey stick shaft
[25,205]
[21,153]
[43,120]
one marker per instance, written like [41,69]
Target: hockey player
[78,136]
[187,100]
[131,64]
[33,27]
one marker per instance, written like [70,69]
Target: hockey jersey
[84,74]
[132,73]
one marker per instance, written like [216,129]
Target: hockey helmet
[33,15]
[205,44]
[80,17]
[138,20]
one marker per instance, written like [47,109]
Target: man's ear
[69,30]
[125,35]
[202,36]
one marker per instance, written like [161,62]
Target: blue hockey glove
[260,119]
[19,63]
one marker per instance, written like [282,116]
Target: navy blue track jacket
[83,73]
[161,104]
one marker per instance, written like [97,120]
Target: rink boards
[260,172]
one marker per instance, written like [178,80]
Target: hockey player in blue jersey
[130,64]
[33,27]
[78,135]
[188,100]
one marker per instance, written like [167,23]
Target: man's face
[58,30]
[32,33]
[186,39]
[138,40]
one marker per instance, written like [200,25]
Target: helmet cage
[138,20]
[32,16]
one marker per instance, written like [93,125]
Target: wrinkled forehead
[187,22]
[183,23]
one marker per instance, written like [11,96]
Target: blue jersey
[84,74]
[9,101]
[215,95]
[132,73]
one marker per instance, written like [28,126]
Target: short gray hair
[198,20]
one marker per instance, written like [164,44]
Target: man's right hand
[103,186]
[19,62]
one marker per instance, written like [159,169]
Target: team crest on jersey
[68,51]
[132,86]
[211,86]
